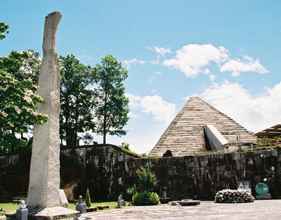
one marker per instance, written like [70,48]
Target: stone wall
[14,171]
[201,177]
[107,172]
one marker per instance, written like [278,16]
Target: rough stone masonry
[44,180]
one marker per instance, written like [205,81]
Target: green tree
[18,99]
[77,100]
[3,30]
[23,65]
[112,104]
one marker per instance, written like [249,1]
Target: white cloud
[193,59]
[161,51]
[160,109]
[133,61]
[248,64]
[254,112]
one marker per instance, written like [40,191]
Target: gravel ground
[261,209]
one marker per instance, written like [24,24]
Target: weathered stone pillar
[44,181]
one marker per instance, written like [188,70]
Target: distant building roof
[185,135]
[271,132]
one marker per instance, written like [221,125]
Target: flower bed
[233,196]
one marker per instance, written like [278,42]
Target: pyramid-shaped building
[200,127]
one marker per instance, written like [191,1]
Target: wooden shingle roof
[185,135]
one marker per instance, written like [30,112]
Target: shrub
[88,198]
[142,191]
[146,180]
[145,198]
[132,190]
[233,196]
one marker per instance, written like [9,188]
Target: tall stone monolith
[44,178]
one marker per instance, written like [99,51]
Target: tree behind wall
[18,99]
[112,104]
[77,101]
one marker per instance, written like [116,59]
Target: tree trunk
[105,116]
[67,131]
[104,129]
[75,139]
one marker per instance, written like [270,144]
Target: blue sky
[227,52]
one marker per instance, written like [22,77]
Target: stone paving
[261,209]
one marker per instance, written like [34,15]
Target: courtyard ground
[261,209]
[11,207]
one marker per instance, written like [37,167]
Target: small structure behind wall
[215,140]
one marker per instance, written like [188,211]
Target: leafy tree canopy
[112,103]
[77,100]
[18,98]
[92,100]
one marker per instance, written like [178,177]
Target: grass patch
[11,207]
